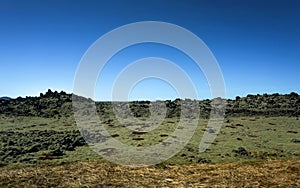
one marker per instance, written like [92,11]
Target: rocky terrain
[55,104]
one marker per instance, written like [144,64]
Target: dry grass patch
[271,173]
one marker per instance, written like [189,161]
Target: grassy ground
[271,155]
[272,137]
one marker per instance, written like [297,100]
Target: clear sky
[256,43]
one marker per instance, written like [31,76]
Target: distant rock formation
[5,98]
[58,104]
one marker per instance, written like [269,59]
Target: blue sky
[256,43]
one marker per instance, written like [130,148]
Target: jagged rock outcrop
[57,104]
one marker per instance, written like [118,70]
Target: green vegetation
[258,144]
[42,130]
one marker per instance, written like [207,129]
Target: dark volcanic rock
[34,148]
[294,140]
[241,151]
[56,152]
[55,104]
[17,145]
[202,160]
